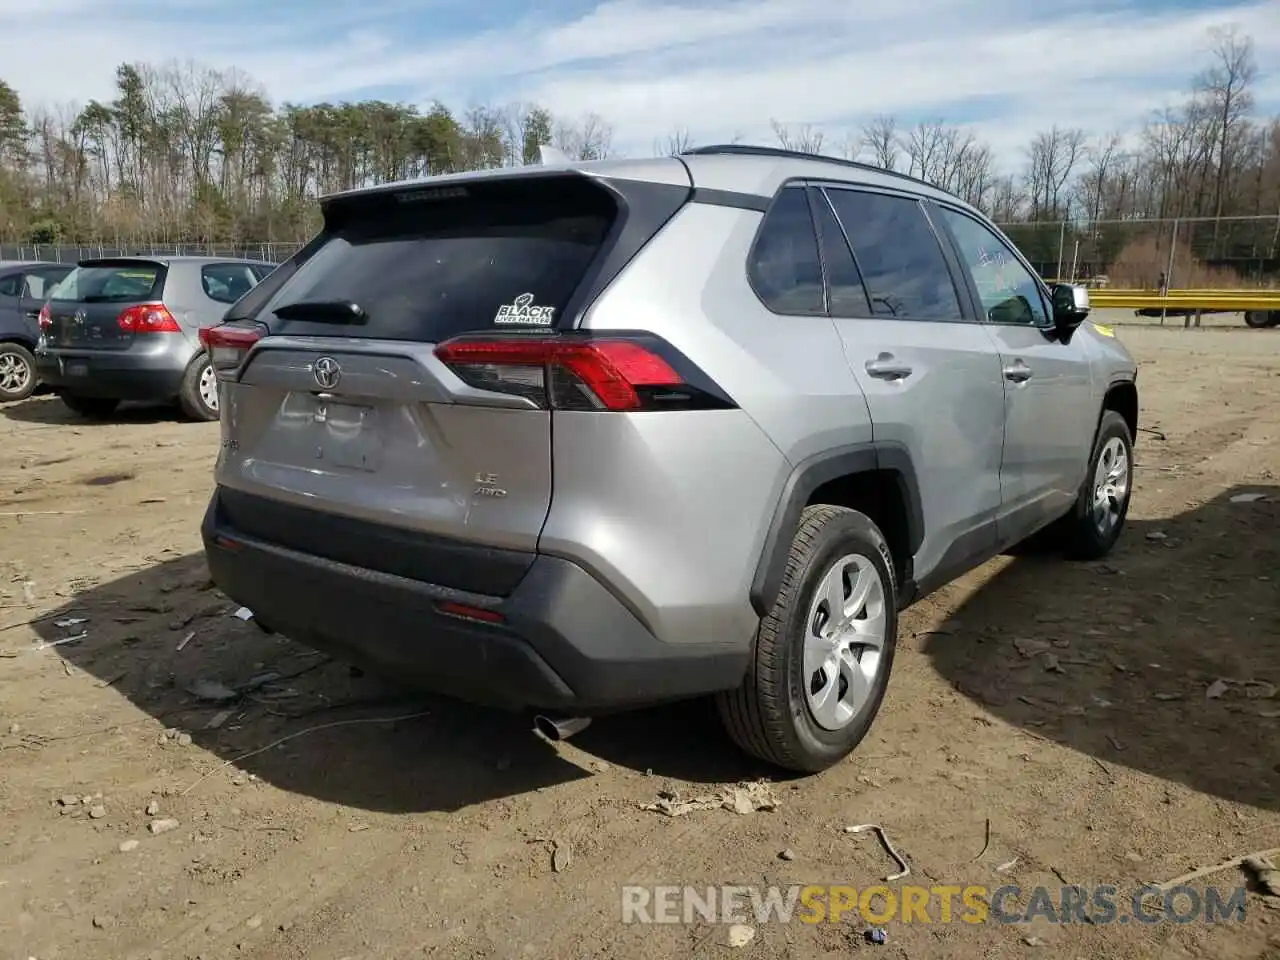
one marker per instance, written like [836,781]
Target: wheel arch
[1122,397]
[878,479]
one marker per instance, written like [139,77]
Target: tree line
[186,153]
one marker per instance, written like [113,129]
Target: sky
[717,68]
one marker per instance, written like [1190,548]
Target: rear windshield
[114,283]
[505,256]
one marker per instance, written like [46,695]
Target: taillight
[46,318]
[228,346]
[575,372]
[147,318]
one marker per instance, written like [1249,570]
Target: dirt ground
[1063,708]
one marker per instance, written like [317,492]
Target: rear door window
[110,283]
[505,256]
[898,254]
[227,282]
[40,282]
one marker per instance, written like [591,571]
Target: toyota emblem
[327,372]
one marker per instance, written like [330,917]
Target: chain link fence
[1184,253]
[1187,253]
[270,252]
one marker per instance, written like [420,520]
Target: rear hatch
[346,436]
[90,308]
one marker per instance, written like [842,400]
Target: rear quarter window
[504,256]
[227,282]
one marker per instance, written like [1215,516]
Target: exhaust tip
[560,728]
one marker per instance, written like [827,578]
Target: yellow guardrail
[1223,300]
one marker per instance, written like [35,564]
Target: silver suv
[592,436]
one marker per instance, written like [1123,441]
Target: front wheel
[1094,524]
[823,653]
[199,394]
[1261,318]
[17,372]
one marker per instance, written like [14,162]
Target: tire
[92,408]
[198,396]
[772,715]
[1084,535]
[1261,318]
[17,372]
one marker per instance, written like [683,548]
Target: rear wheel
[823,654]
[17,372]
[1262,318]
[94,408]
[199,394]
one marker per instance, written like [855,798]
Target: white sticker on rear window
[523,311]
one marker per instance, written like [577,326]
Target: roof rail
[750,150]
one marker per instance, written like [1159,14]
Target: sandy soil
[434,836]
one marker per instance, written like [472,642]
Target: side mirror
[1070,307]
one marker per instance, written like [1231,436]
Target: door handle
[1017,372]
[886,367]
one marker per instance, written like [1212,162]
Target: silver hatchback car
[127,328]
[592,436]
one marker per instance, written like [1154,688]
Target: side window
[227,282]
[847,297]
[783,268]
[40,282]
[902,265]
[1008,291]
[11,286]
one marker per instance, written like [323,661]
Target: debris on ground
[218,719]
[1052,664]
[884,841]
[185,640]
[244,613]
[1248,497]
[1029,648]
[128,845]
[1265,873]
[742,799]
[561,855]
[1035,941]
[787,854]
[877,935]
[1258,856]
[212,690]
[1216,689]
[1007,866]
[70,622]
[740,935]
[163,825]
[97,812]
[153,808]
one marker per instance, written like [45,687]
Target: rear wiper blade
[323,311]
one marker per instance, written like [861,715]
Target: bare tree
[1051,159]
[804,139]
[1228,99]
[591,138]
[880,140]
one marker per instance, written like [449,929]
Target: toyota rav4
[585,437]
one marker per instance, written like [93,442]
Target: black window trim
[801,185]
[818,195]
[1046,298]
[960,281]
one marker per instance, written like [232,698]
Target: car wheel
[1094,524]
[1260,318]
[17,372]
[94,408]
[199,395]
[823,653]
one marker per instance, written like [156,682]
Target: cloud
[719,68]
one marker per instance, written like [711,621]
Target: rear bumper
[119,375]
[564,643]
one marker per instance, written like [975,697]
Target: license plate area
[347,435]
[75,368]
